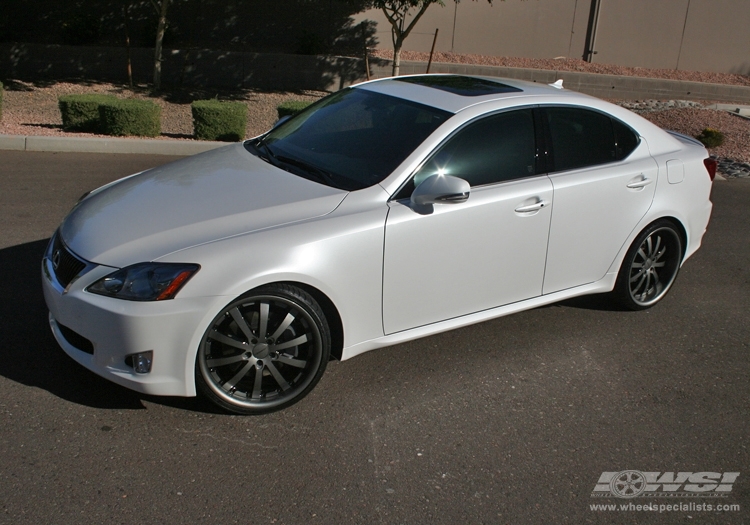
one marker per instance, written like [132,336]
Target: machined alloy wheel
[650,266]
[264,351]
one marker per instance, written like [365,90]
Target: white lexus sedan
[388,211]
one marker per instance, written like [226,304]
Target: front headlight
[145,281]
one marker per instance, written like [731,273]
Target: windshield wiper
[296,165]
[319,173]
[264,152]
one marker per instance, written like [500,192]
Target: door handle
[641,183]
[531,207]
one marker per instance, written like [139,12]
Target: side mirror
[440,189]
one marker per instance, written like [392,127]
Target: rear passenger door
[604,180]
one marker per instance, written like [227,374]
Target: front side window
[582,137]
[494,149]
[352,139]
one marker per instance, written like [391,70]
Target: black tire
[264,351]
[650,267]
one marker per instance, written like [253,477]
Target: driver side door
[461,258]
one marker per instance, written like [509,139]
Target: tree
[161,10]
[396,12]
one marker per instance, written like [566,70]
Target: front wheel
[650,267]
[265,351]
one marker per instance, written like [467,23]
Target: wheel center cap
[648,264]
[260,350]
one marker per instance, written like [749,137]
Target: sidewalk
[107,145]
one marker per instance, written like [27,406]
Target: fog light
[141,362]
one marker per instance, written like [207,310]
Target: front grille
[76,339]
[64,263]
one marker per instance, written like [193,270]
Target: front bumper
[116,328]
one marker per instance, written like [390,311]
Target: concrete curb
[106,145]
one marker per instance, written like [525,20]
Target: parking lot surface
[510,421]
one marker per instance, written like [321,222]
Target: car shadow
[601,302]
[32,357]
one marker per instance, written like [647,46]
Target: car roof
[454,93]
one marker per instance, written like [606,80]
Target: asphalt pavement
[510,421]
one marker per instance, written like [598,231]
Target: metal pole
[429,63]
[589,52]
[682,38]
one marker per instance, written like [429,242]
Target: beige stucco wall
[643,33]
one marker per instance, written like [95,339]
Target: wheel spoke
[277,376]
[223,361]
[241,323]
[658,244]
[289,360]
[258,382]
[637,276]
[289,344]
[229,385]
[647,288]
[640,283]
[217,336]
[288,320]
[264,308]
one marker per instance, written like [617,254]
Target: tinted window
[580,138]
[625,139]
[351,139]
[494,149]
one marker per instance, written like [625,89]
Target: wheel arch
[681,231]
[676,222]
[331,312]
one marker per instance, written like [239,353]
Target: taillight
[711,166]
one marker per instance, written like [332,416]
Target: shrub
[81,112]
[711,138]
[130,117]
[217,120]
[291,107]
[1,101]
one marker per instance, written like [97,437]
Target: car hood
[217,194]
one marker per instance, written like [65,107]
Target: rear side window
[625,139]
[582,137]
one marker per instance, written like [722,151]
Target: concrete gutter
[106,145]
[736,109]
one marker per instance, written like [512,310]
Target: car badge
[56,259]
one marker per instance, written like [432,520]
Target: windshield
[351,140]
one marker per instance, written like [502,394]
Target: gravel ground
[31,109]
[691,121]
[570,64]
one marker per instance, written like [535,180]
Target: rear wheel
[265,351]
[650,267]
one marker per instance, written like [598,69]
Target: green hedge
[130,117]
[81,112]
[291,107]
[217,120]
[1,101]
